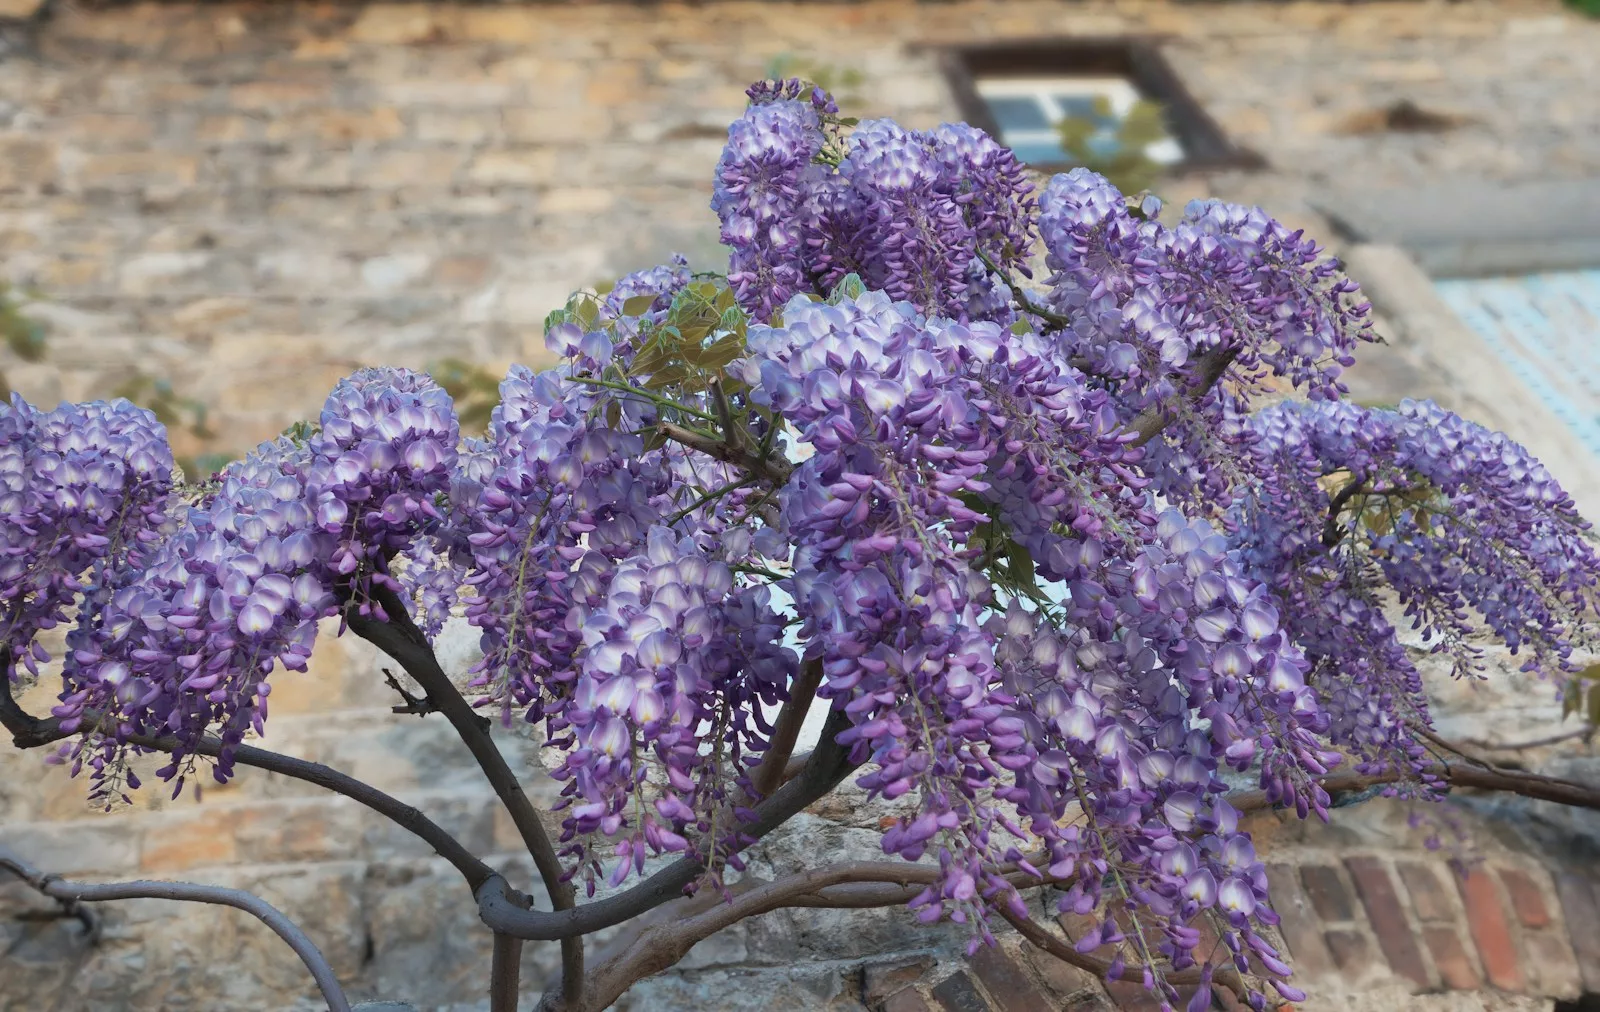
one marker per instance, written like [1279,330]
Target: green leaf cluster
[1127,166]
[23,335]
[475,390]
[1582,695]
[702,332]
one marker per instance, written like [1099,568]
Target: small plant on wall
[1054,558]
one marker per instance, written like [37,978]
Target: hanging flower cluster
[1053,567]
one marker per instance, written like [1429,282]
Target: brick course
[1388,918]
[1491,931]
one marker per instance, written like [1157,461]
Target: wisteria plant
[1066,560]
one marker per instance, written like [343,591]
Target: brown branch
[1332,533]
[418,705]
[505,973]
[1528,785]
[400,638]
[28,731]
[60,889]
[1587,731]
[768,774]
[1211,366]
[772,469]
[497,905]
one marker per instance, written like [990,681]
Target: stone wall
[253,199]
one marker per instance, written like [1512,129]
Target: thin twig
[772,469]
[418,705]
[61,889]
[1587,731]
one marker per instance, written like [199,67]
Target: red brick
[1298,922]
[1526,898]
[957,994]
[1388,918]
[1580,901]
[1429,897]
[1486,916]
[907,1000]
[880,980]
[1328,894]
[1450,956]
[1352,953]
[1006,981]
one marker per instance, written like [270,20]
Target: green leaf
[849,287]
[1571,698]
[722,351]
[1594,708]
[1591,673]
[1020,561]
[638,305]
[585,312]
[666,376]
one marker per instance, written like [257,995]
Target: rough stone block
[956,993]
[1007,981]
[26,163]
[516,167]
[188,840]
[880,980]
[19,9]
[1491,931]
[1388,918]
[1580,901]
[905,1000]
[102,845]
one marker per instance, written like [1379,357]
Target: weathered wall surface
[251,200]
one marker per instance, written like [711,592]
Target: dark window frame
[1136,58]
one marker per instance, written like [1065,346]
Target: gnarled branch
[400,638]
[1210,367]
[497,904]
[84,892]
[769,773]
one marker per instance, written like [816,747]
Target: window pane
[1017,113]
[1039,152]
[1084,107]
